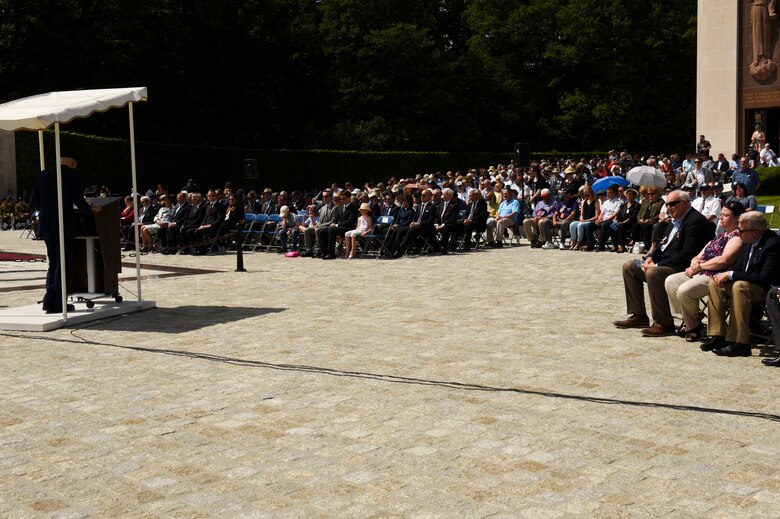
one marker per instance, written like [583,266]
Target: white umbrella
[646,176]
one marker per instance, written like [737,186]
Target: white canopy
[41,111]
[55,108]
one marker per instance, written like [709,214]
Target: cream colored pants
[684,294]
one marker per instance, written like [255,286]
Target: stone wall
[716,80]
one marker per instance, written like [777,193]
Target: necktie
[750,257]
[444,210]
[422,210]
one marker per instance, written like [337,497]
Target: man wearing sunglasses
[747,284]
[688,234]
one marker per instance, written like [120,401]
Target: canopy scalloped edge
[41,111]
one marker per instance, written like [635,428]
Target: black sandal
[697,334]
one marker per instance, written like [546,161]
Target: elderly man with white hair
[687,235]
[746,284]
[446,220]
[768,157]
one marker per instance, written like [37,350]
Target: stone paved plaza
[491,384]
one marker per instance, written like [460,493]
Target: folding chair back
[256,223]
[271,222]
[376,242]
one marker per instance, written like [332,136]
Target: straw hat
[365,207]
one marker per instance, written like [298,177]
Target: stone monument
[737,86]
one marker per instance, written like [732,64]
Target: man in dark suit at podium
[44,198]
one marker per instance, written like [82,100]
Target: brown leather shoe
[635,321]
[658,330]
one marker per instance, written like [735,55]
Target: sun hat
[365,207]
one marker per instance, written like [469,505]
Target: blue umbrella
[603,183]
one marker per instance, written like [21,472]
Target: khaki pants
[504,223]
[634,279]
[542,228]
[684,294]
[738,298]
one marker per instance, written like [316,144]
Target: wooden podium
[98,259]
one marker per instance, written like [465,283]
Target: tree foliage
[369,74]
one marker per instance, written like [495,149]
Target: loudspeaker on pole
[522,154]
[250,169]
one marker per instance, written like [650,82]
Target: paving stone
[429,410]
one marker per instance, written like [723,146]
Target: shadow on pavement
[181,319]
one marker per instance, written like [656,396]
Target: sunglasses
[673,203]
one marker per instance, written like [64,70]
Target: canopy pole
[61,212]
[40,149]
[135,203]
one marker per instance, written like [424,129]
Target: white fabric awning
[41,111]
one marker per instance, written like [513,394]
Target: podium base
[32,318]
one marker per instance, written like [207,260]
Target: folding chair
[516,230]
[369,240]
[30,226]
[256,223]
[269,231]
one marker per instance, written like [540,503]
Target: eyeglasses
[743,231]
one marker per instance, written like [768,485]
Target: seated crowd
[549,204]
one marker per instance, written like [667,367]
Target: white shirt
[768,156]
[610,206]
[709,206]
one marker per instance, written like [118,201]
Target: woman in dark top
[582,231]
[404,218]
[624,221]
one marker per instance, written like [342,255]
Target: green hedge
[770,181]
[107,162]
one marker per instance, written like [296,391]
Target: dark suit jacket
[195,216]
[180,213]
[376,212]
[480,214]
[694,234]
[147,217]
[348,216]
[404,217]
[214,214]
[428,216]
[268,208]
[44,198]
[764,268]
[721,165]
[450,214]
[391,210]
[230,220]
